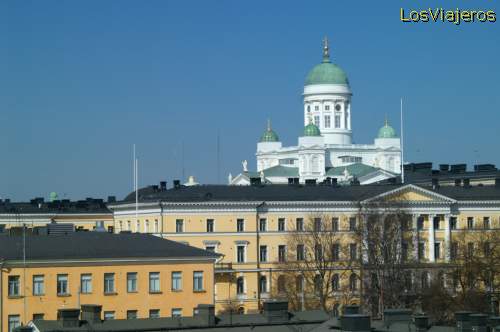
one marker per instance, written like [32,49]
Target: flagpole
[402,145]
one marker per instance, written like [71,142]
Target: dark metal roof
[205,193]
[95,245]
[36,206]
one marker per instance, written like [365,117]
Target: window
[281,224]
[352,224]
[177,281]
[486,222]
[131,282]
[327,107]
[335,252]
[299,283]
[437,250]
[86,283]
[154,282]
[109,283]
[299,224]
[176,312]
[263,284]
[38,316]
[300,252]
[179,226]
[421,250]
[263,224]
[327,121]
[137,226]
[281,253]
[453,222]
[131,314]
[146,226]
[240,225]
[316,120]
[353,282]
[240,285]
[198,281]
[335,224]
[210,225]
[263,253]
[318,252]
[470,222]
[353,251]
[436,222]
[154,313]
[38,286]
[453,251]
[109,315]
[14,321]
[156,226]
[316,108]
[337,120]
[281,284]
[240,255]
[317,224]
[14,287]
[62,284]
[420,223]
[336,282]
[129,227]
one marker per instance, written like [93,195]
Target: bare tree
[317,265]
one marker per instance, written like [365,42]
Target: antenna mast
[402,146]
[218,156]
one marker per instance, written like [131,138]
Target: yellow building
[85,214]
[249,225]
[134,276]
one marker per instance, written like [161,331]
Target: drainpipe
[257,235]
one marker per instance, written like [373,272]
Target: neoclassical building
[325,148]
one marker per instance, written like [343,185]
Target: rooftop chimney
[311,182]
[163,185]
[276,311]
[444,167]
[91,313]
[206,312]
[435,183]
[355,323]
[68,317]
[111,199]
[177,184]
[255,181]
[290,181]
[458,182]
[334,182]
[466,183]
[462,319]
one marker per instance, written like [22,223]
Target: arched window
[353,282]
[240,285]
[241,311]
[309,108]
[318,285]
[281,284]
[335,282]
[263,284]
[299,284]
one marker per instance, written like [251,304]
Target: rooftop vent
[91,313]
[458,168]
[435,183]
[444,167]
[111,199]
[458,182]
[155,187]
[311,182]
[255,181]
[276,311]
[355,182]
[355,323]
[290,181]
[484,168]
[68,317]
[177,184]
[334,182]
[163,185]
[466,183]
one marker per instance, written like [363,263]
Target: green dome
[311,130]
[326,73]
[386,131]
[269,135]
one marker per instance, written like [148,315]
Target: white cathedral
[325,148]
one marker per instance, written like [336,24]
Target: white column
[415,236]
[431,239]
[447,237]
[350,116]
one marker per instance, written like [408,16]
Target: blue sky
[84,80]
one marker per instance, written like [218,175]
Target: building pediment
[411,194]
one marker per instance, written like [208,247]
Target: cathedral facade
[325,148]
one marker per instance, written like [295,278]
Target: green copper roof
[386,131]
[326,72]
[357,170]
[280,170]
[311,130]
[269,135]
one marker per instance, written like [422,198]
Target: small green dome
[53,196]
[326,72]
[386,131]
[269,135]
[311,130]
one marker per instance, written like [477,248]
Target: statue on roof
[245,165]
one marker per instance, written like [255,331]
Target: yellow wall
[142,301]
